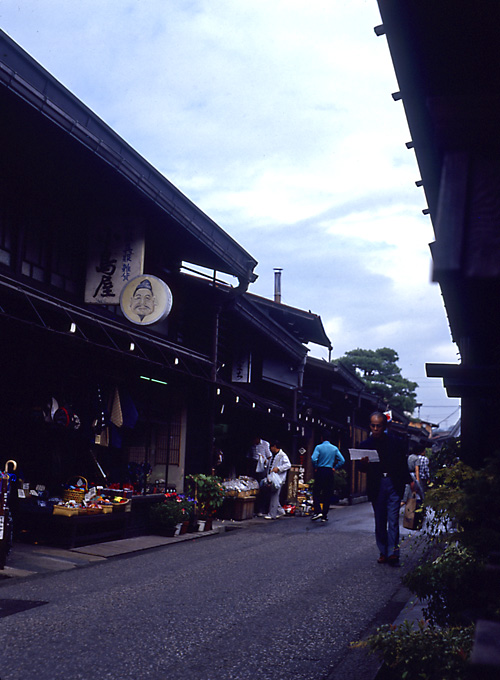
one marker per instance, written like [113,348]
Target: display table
[139,513]
[70,532]
[41,525]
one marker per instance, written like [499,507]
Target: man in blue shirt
[325,459]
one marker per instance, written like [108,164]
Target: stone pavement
[28,560]
[30,567]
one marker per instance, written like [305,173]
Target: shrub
[463,516]
[465,506]
[423,652]
[449,583]
[340,483]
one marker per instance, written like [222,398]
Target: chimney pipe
[277,284]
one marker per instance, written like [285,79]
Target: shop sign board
[116,256]
[145,300]
[295,475]
[242,368]
[4,485]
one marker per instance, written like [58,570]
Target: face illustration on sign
[146,300]
[143,302]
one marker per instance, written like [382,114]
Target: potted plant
[208,494]
[165,516]
[339,485]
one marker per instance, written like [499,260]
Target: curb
[33,560]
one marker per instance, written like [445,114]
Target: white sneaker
[260,514]
[315,517]
[268,517]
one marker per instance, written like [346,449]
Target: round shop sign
[146,300]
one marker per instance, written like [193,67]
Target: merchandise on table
[241,487]
[75,499]
[304,500]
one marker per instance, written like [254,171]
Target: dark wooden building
[73,194]
[446,57]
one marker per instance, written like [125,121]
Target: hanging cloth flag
[100,423]
[129,411]
[116,410]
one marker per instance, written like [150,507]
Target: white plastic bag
[273,479]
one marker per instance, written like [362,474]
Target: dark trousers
[262,499]
[322,490]
[386,508]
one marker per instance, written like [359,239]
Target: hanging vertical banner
[116,256]
[242,368]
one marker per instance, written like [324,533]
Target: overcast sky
[276,118]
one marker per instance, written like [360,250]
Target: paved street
[272,600]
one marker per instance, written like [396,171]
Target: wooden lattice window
[168,442]
[136,454]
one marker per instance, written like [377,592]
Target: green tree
[378,368]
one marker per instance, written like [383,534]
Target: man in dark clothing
[386,482]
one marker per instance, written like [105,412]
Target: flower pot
[184,527]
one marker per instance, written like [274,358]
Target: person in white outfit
[259,458]
[280,464]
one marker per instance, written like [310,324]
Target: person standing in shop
[259,458]
[326,458]
[280,464]
[386,481]
[414,470]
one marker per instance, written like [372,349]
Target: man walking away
[326,458]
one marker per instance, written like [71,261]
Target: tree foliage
[379,370]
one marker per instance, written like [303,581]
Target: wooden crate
[238,508]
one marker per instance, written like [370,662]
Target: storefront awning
[22,305]
[305,326]
[229,394]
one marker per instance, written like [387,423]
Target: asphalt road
[272,601]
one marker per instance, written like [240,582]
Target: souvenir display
[74,500]
[241,487]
